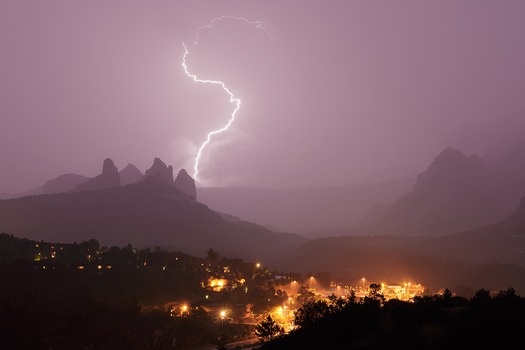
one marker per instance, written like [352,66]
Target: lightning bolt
[214,132]
[259,25]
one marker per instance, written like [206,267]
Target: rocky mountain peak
[110,177]
[109,168]
[186,184]
[159,167]
[130,175]
[452,169]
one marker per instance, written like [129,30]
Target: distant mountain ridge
[63,183]
[111,177]
[289,210]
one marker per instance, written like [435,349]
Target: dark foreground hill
[151,213]
[502,242]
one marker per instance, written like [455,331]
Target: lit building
[217,284]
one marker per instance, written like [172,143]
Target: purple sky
[352,91]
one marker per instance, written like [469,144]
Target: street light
[222,338]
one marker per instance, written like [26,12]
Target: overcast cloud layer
[350,92]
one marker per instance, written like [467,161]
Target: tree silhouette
[481,296]
[447,294]
[305,295]
[213,256]
[311,313]
[375,293]
[268,329]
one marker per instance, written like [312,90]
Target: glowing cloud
[259,25]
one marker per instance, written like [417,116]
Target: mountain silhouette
[130,175]
[186,184]
[151,213]
[63,183]
[159,167]
[109,178]
[454,194]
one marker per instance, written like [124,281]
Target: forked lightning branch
[237,102]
